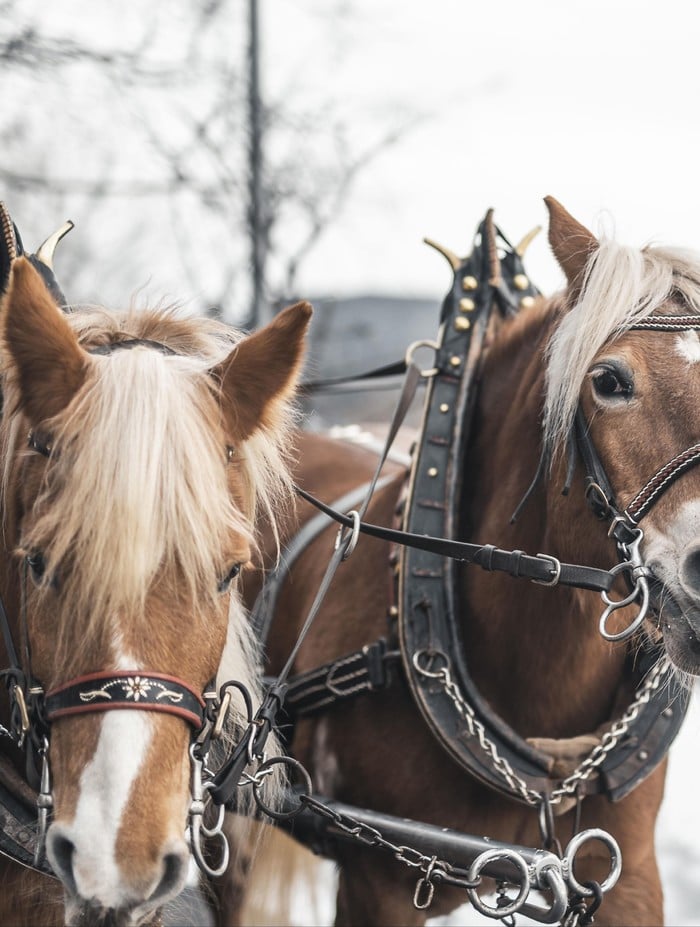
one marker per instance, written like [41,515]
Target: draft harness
[427,650]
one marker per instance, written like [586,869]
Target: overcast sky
[594,102]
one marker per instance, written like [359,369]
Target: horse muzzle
[98,894]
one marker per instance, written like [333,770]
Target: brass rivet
[520,282]
[393,611]
[466,304]
[455,360]
[527,301]
[643,755]
[469,282]
[444,407]
[462,324]
[433,471]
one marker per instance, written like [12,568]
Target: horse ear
[571,243]
[262,370]
[48,362]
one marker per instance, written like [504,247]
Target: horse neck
[535,652]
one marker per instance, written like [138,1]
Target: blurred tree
[133,119]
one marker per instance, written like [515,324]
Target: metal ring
[308,788]
[482,860]
[642,585]
[430,655]
[595,833]
[413,347]
[351,542]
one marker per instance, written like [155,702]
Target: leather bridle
[33,710]
[624,525]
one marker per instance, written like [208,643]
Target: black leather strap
[540,568]
[134,690]
[363,671]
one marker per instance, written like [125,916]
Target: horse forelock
[138,488]
[622,285]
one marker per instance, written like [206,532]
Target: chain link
[584,770]
[440,870]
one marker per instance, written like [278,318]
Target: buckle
[556,571]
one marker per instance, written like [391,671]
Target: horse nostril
[175,866]
[61,850]
[690,572]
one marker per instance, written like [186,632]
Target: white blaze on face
[105,785]
[104,789]
[688,347]
[664,550]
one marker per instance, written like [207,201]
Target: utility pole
[259,312]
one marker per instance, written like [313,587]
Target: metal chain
[584,770]
[440,870]
[612,737]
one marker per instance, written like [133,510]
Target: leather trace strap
[133,689]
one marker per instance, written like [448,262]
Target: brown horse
[535,653]
[156,446]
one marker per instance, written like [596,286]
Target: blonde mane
[137,485]
[621,285]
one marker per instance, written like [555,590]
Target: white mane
[621,285]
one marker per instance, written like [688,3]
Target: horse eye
[609,383]
[229,578]
[37,565]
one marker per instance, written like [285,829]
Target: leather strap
[134,690]
[363,671]
[540,568]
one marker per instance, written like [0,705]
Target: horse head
[155,446]
[623,377]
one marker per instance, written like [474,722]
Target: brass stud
[469,282]
[433,471]
[527,302]
[444,407]
[520,282]
[466,304]
[462,324]
[393,611]
[455,360]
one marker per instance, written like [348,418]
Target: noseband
[624,524]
